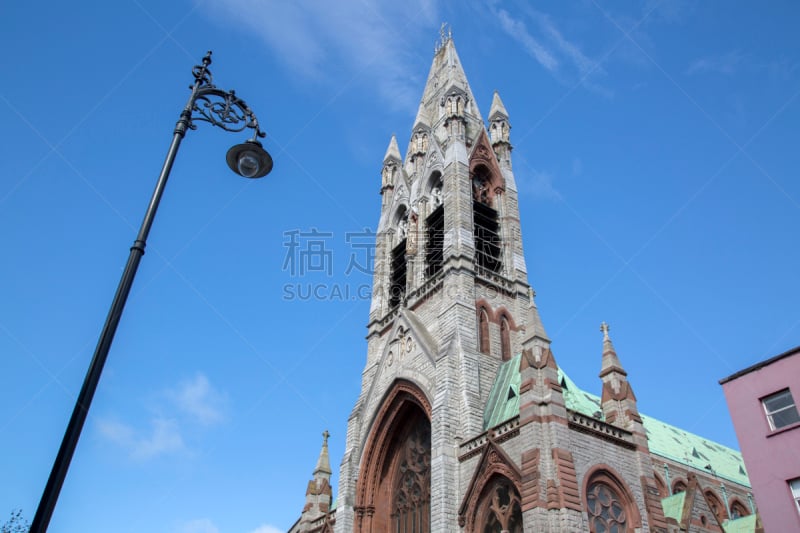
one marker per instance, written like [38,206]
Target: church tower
[450,304]
[465,421]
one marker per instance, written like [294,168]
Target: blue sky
[655,153]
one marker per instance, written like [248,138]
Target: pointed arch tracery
[500,510]
[610,508]
[738,509]
[492,503]
[663,492]
[393,487]
[715,504]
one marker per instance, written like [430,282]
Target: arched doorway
[394,485]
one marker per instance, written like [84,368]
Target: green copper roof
[673,505]
[664,440]
[503,402]
[745,524]
[689,449]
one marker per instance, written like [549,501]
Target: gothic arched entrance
[394,484]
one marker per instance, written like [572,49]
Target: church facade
[465,421]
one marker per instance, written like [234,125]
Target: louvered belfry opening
[434,251]
[487,237]
[486,226]
[397,288]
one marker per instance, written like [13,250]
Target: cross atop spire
[323,463]
[604,328]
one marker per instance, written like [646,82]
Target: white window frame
[794,487]
[770,414]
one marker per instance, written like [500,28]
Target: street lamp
[207,103]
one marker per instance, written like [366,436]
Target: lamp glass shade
[249,159]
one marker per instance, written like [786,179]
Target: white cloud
[198,399]
[546,43]
[163,437]
[190,403]
[201,525]
[727,64]
[265,528]
[537,183]
[519,32]
[336,41]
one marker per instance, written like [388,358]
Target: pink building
[762,400]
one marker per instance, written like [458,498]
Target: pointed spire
[618,399]
[610,360]
[393,151]
[323,463]
[498,110]
[534,329]
[446,76]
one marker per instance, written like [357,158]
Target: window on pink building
[795,486]
[781,409]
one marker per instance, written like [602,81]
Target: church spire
[618,400]
[610,360]
[324,463]
[498,110]
[392,152]
[535,335]
[392,166]
[319,494]
[499,131]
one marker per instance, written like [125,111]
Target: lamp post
[207,103]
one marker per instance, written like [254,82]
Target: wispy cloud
[546,43]
[201,525]
[727,64]
[191,403]
[517,29]
[163,436]
[537,183]
[266,529]
[198,399]
[322,40]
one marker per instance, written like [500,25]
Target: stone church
[465,420]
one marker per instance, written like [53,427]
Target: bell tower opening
[486,226]
[434,224]
[397,281]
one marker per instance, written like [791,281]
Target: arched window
[505,339]
[609,506]
[500,509]
[483,331]
[715,504]
[678,486]
[662,487]
[606,509]
[738,510]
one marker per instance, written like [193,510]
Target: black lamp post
[209,104]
